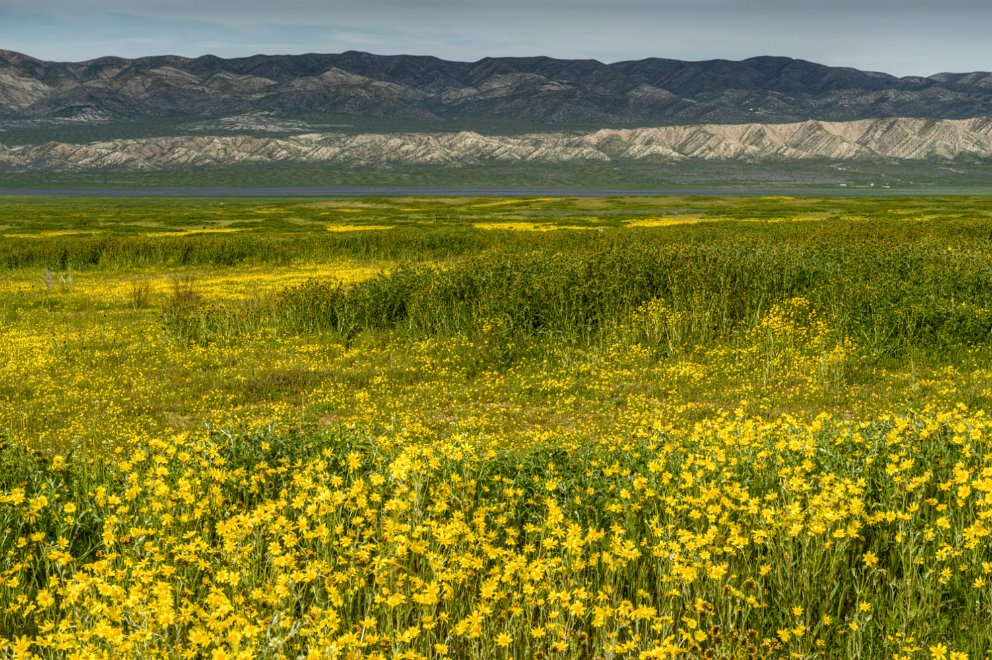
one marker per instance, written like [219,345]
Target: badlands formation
[863,140]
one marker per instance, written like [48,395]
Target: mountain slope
[537,89]
[862,140]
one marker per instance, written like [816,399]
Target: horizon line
[483,59]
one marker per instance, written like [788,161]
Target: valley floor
[479,427]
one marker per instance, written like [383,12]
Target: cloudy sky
[904,37]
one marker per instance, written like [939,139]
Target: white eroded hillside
[870,139]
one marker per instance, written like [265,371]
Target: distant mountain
[534,89]
[868,140]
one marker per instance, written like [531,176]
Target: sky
[902,37]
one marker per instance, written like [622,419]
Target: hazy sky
[904,37]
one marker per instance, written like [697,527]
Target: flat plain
[485,427]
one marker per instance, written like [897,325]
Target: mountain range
[357,110]
[539,90]
[862,140]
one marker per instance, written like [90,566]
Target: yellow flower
[717,572]
[21,645]
[938,651]
[45,599]
[503,640]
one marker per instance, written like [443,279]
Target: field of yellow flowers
[478,428]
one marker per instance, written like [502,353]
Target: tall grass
[192,319]
[62,253]
[890,297]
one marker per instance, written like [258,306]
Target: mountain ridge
[653,91]
[862,140]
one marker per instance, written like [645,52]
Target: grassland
[479,427]
[709,177]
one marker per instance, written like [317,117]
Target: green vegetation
[480,427]
[696,177]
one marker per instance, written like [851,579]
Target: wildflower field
[488,428]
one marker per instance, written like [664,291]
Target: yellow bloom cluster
[671,543]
